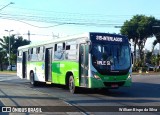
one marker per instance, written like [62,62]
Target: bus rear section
[22,63]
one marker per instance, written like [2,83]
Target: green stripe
[60,68]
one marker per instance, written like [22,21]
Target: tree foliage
[148,57]
[156,32]
[139,28]
[14,44]
[3,58]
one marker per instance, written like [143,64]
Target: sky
[50,19]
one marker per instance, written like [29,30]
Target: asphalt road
[145,91]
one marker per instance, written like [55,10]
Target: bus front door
[48,64]
[24,65]
[83,66]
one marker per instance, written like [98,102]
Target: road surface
[145,91]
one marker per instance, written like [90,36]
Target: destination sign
[102,62]
[109,38]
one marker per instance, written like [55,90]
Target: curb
[146,73]
[1,73]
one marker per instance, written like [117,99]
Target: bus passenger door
[48,64]
[83,64]
[24,65]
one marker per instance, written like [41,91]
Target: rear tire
[72,87]
[32,80]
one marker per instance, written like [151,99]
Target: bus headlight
[95,75]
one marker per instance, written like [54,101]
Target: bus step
[48,82]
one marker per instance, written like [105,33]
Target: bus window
[64,46]
[55,49]
[34,51]
[68,47]
[40,53]
[59,52]
[31,51]
[71,52]
[38,50]
[29,54]
[19,56]
[33,55]
[19,53]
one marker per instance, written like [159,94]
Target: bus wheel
[72,87]
[32,81]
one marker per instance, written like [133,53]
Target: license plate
[114,85]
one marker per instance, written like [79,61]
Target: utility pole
[9,31]
[28,35]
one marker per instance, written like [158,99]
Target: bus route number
[103,63]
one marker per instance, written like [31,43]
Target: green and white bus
[91,60]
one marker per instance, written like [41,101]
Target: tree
[129,29]
[19,42]
[148,57]
[145,31]
[139,28]
[14,44]
[156,32]
[154,59]
[3,58]
[154,44]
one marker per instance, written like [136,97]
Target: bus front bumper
[98,83]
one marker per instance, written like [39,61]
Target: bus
[90,60]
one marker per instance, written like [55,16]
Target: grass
[8,72]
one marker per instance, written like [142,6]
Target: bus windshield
[111,57]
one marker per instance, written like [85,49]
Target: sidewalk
[133,73]
[8,72]
[144,73]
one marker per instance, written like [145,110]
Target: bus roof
[84,35]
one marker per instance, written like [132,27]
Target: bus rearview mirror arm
[89,43]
